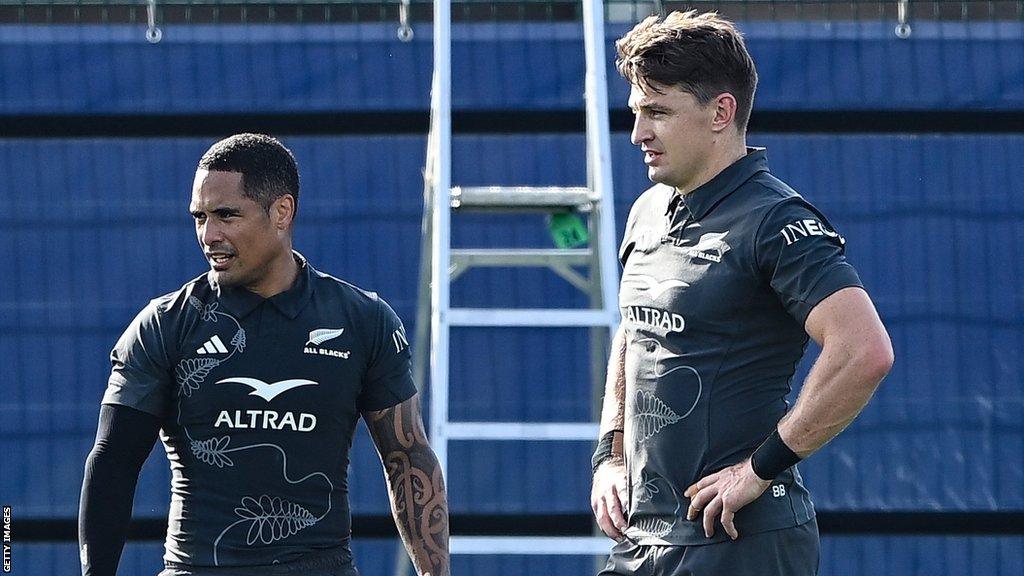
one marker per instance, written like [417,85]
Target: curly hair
[268,168]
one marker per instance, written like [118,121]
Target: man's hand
[608,498]
[723,493]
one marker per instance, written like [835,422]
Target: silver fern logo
[651,416]
[711,246]
[321,335]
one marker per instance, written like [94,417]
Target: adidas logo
[213,346]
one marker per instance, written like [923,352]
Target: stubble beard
[225,279]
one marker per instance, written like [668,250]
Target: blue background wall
[803,66]
[93,228]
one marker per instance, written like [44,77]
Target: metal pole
[436,225]
[153,33]
[903,29]
[405,32]
[599,156]
[440,239]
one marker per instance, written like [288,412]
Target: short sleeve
[141,375]
[388,380]
[628,240]
[802,257]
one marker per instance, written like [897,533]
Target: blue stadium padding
[525,565]
[840,556]
[46,559]
[491,477]
[922,555]
[357,67]
[94,228]
[931,223]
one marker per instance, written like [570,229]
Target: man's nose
[641,131]
[210,233]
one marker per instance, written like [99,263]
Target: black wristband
[772,457]
[604,449]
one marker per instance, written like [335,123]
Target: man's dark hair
[702,54]
[268,168]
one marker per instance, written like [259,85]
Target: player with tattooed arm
[255,375]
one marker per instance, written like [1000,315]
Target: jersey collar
[707,196]
[240,302]
[293,300]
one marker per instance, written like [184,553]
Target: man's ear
[724,107]
[282,212]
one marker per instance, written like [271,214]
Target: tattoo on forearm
[415,485]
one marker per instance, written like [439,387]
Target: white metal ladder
[441,264]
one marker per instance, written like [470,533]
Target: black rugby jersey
[715,290]
[259,400]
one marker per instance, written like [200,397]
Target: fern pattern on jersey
[213,451]
[191,372]
[650,416]
[238,341]
[268,518]
[272,518]
[646,489]
[209,312]
[660,362]
[653,526]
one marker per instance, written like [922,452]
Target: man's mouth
[220,260]
[650,156]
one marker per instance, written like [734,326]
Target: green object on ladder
[568,230]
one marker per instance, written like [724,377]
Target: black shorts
[787,552]
[336,562]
